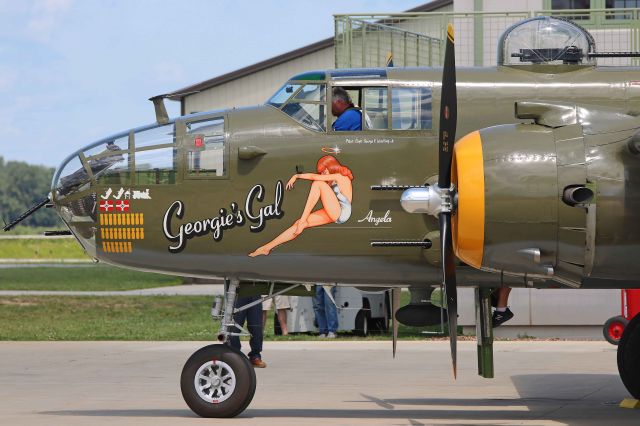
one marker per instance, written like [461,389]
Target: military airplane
[543,191]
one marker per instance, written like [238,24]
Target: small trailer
[362,312]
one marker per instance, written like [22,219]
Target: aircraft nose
[75,201]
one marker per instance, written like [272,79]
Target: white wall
[563,307]
[256,88]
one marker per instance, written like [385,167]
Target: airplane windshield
[305,103]
[100,157]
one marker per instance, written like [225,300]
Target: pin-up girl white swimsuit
[345,205]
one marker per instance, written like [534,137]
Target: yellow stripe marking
[467,173]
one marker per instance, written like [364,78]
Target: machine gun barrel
[26,214]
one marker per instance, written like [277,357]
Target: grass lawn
[41,248]
[90,277]
[127,318]
[105,318]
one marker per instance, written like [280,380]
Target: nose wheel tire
[218,381]
[613,329]
[629,357]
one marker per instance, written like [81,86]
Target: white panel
[510,6]
[560,307]
[574,307]
[256,88]
[463,6]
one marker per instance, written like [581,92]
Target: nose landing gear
[218,380]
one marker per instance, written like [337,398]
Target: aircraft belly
[355,270]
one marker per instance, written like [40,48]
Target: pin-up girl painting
[332,187]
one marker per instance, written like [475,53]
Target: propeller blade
[450,290]
[448,112]
[395,305]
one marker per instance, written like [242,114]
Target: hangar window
[206,154]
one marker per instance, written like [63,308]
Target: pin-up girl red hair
[332,187]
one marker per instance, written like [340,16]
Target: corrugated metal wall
[256,88]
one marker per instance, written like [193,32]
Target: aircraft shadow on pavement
[539,392]
[160,412]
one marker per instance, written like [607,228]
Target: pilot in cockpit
[349,116]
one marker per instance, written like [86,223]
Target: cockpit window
[155,156]
[411,108]
[206,155]
[311,92]
[283,95]
[101,159]
[115,156]
[155,136]
[305,103]
[307,114]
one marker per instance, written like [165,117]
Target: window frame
[391,94]
[134,150]
[389,85]
[292,100]
[186,146]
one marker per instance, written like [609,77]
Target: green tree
[21,186]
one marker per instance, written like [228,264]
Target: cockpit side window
[376,108]
[206,153]
[155,156]
[411,108]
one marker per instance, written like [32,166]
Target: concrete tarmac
[318,383]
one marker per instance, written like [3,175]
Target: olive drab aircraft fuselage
[524,174]
[195,196]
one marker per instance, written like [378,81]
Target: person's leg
[254,325]
[319,191]
[502,313]
[503,298]
[331,312]
[239,318]
[317,218]
[318,307]
[282,319]
[266,307]
[282,304]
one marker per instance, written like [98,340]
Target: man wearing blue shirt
[349,116]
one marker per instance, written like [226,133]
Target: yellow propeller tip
[450,32]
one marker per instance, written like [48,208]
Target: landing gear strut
[218,380]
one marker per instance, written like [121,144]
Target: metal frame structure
[417,39]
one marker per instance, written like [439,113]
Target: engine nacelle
[526,193]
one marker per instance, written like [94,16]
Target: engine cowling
[526,194]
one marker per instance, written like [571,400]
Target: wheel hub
[215,381]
